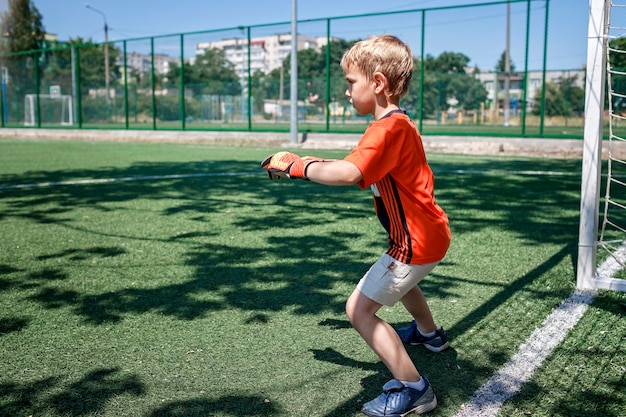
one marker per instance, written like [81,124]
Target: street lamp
[106,48]
[293,129]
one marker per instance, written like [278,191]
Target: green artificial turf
[176,280]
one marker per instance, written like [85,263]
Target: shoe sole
[433,348]
[421,409]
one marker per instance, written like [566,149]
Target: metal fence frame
[246,103]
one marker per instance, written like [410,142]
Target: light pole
[294,73]
[106,48]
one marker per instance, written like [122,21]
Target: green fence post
[2,97]
[37,87]
[126,111]
[249,82]
[543,80]
[421,110]
[524,100]
[181,83]
[79,102]
[568,97]
[153,84]
[327,75]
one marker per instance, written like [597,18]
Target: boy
[390,160]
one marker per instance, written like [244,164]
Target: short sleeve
[376,153]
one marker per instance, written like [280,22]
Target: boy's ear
[380,82]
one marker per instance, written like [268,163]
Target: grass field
[151,280]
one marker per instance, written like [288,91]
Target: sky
[470,31]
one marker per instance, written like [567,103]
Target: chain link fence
[238,78]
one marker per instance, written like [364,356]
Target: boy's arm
[328,172]
[339,172]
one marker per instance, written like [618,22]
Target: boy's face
[360,91]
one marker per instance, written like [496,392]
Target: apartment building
[142,62]
[495,83]
[266,53]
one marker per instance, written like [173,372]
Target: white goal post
[55,109]
[589,275]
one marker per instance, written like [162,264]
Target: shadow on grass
[197,198]
[235,406]
[12,324]
[539,209]
[302,285]
[530,206]
[88,396]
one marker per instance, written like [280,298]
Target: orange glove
[287,165]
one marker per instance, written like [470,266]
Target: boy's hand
[287,165]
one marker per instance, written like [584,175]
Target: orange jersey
[391,157]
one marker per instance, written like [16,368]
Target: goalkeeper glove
[287,165]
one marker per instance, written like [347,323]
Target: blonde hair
[385,54]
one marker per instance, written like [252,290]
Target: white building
[266,53]
[494,83]
[142,62]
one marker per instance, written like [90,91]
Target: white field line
[236,174]
[125,179]
[504,384]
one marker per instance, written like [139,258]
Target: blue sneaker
[398,400]
[411,336]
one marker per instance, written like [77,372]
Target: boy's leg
[423,330]
[415,303]
[380,336]
[408,392]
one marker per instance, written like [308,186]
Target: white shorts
[388,280]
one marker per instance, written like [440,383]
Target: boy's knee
[358,310]
[350,310]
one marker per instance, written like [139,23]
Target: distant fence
[237,79]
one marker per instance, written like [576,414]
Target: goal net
[602,237]
[52,109]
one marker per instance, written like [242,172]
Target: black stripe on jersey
[381,212]
[397,229]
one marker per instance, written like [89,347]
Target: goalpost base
[607,283]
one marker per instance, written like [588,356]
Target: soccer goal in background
[53,109]
[602,233]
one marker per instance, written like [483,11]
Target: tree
[312,71]
[447,62]
[21,30]
[446,78]
[92,65]
[90,60]
[616,59]
[210,74]
[501,64]
[562,98]
[21,27]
